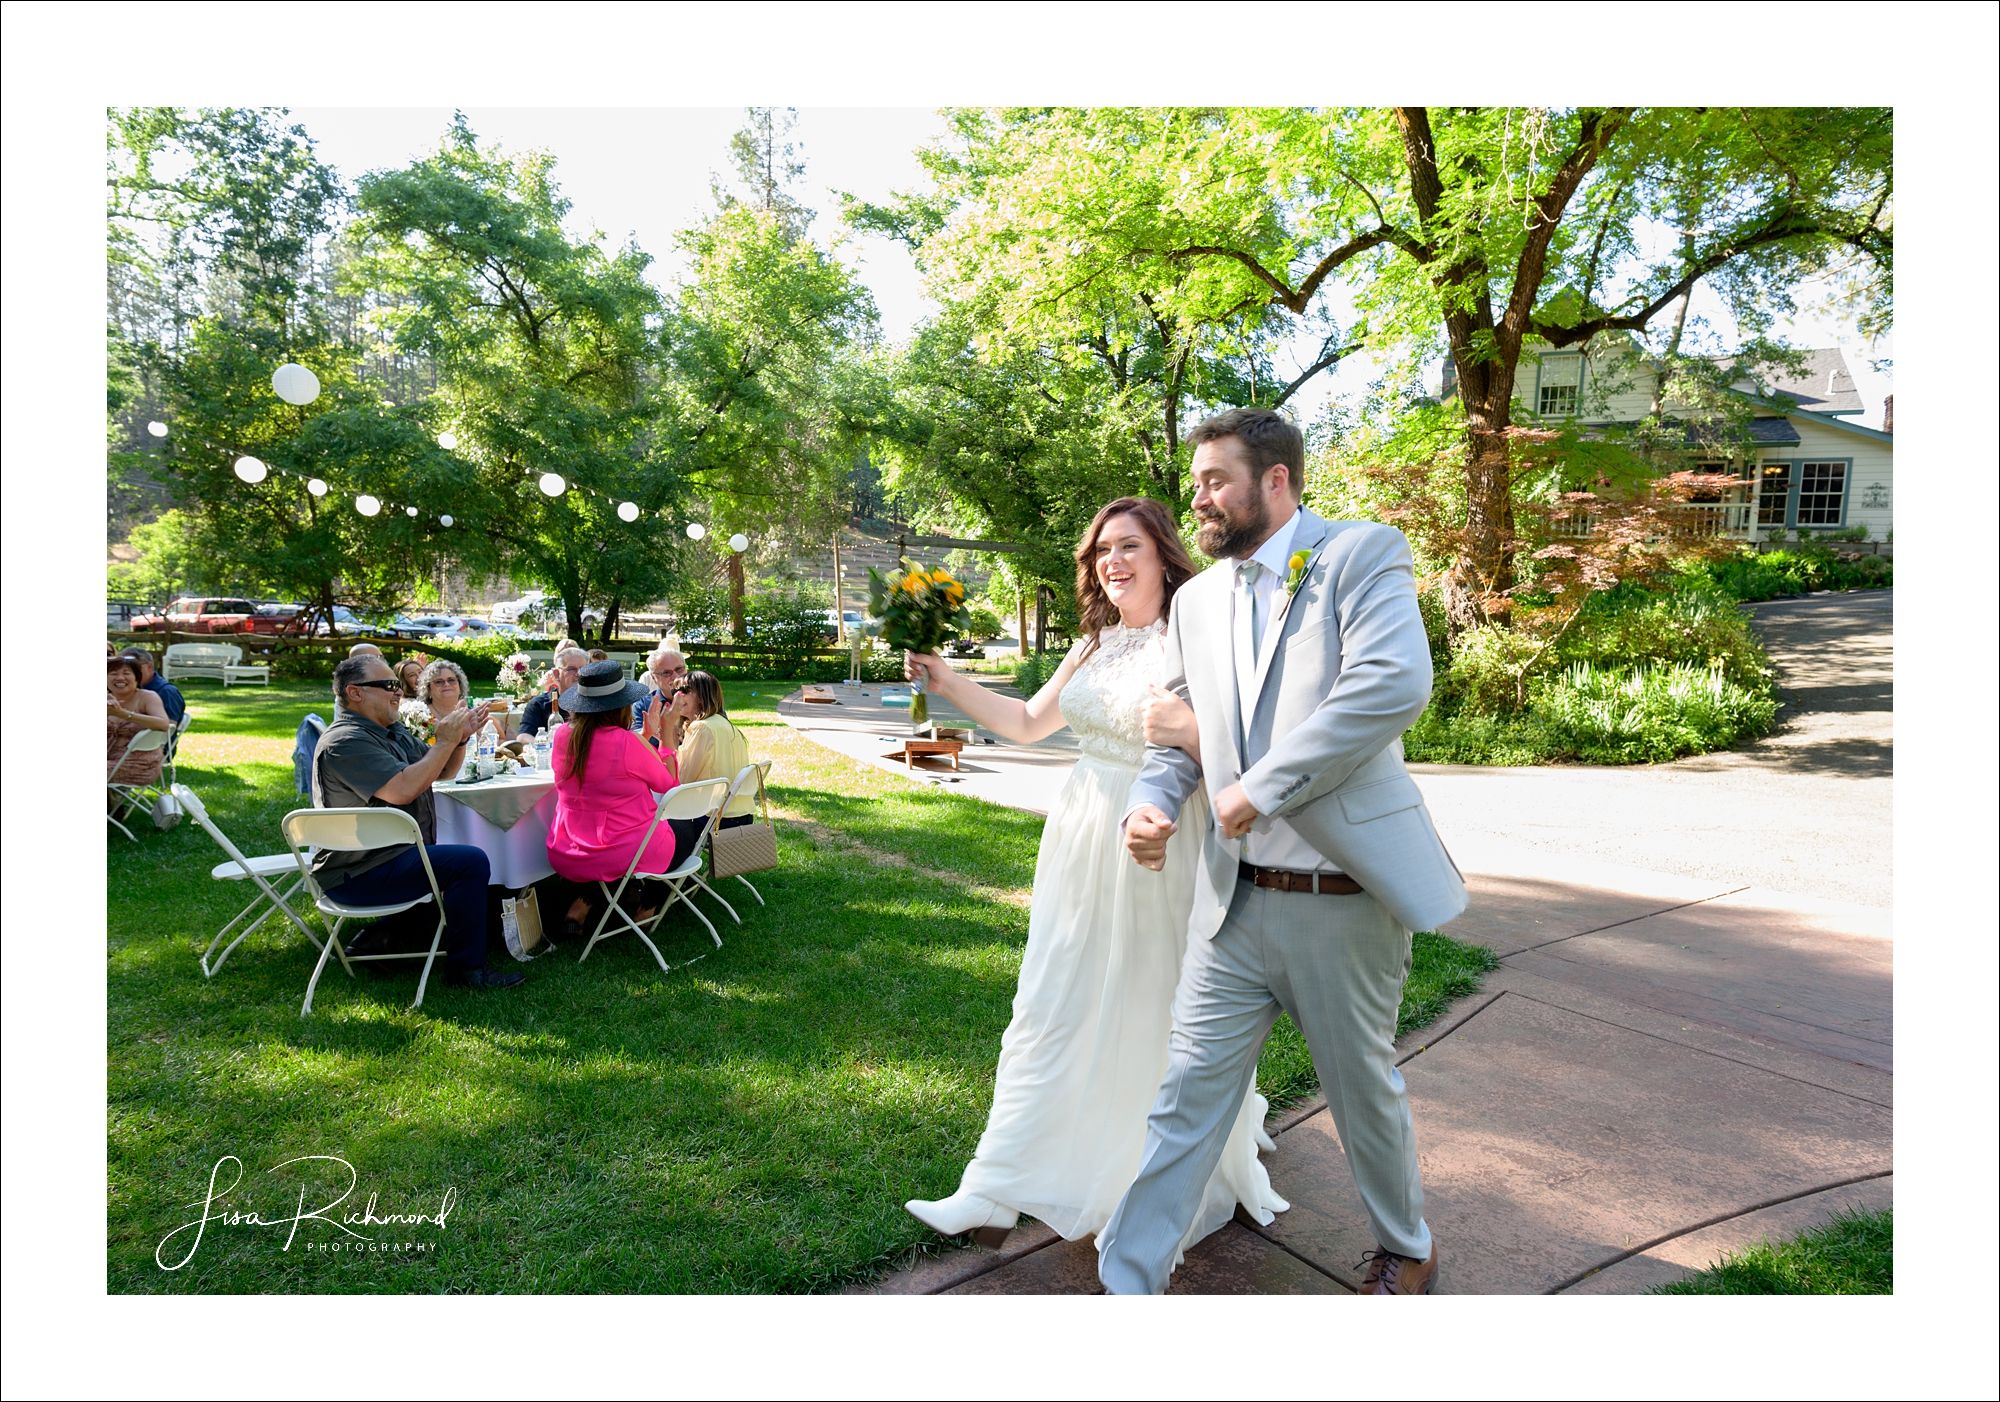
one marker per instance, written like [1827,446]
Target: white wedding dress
[1083,1058]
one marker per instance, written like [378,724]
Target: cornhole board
[914,750]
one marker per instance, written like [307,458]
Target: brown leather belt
[1312,883]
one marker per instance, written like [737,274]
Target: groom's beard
[1233,537]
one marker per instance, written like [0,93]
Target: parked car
[510,611]
[548,613]
[345,619]
[199,615]
[453,626]
[283,620]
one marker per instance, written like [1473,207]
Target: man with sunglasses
[542,712]
[367,759]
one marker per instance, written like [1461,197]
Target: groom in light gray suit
[1304,658]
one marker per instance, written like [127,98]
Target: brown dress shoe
[1389,1274]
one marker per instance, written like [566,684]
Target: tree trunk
[1041,618]
[326,608]
[839,613]
[1021,608]
[1485,564]
[736,596]
[611,619]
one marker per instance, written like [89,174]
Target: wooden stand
[914,749]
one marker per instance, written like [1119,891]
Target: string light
[696,530]
[447,440]
[250,470]
[411,510]
[739,543]
[367,505]
[628,511]
[552,484]
[157,429]
[295,384]
[316,487]
[444,520]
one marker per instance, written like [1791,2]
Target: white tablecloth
[520,854]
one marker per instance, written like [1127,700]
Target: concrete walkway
[1682,1051]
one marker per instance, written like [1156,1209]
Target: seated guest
[169,694]
[710,747]
[407,672]
[441,688]
[366,760]
[666,672]
[598,654]
[606,782]
[545,709]
[364,650]
[129,709]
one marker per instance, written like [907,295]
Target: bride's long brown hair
[1095,611]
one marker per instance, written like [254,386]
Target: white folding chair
[257,870]
[702,800]
[359,830]
[171,766]
[132,796]
[757,773]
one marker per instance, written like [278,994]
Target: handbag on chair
[750,847]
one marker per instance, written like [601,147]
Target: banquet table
[507,818]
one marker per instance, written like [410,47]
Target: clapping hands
[452,728]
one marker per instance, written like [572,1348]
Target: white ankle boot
[963,1212]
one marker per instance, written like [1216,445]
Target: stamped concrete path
[1687,1045]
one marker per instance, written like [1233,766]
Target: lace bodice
[1105,696]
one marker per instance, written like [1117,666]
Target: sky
[643,173]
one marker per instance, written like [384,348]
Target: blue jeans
[461,875]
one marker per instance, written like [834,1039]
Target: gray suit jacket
[1347,673]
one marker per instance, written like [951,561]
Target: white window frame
[1576,390]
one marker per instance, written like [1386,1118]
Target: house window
[1774,494]
[1822,493]
[1560,382]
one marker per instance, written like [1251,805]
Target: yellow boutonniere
[1300,559]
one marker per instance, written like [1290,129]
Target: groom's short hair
[1268,438]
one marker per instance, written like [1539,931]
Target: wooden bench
[222,662]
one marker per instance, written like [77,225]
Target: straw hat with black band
[601,686]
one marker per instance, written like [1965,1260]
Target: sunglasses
[386,684]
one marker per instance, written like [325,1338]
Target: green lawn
[750,1123]
[1854,1254]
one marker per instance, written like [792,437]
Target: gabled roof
[1825,385]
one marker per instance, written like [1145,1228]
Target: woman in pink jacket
[607,784]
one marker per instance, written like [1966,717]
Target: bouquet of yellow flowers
[920,612]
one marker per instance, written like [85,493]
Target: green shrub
[1481,674]
[1033,671]
[793,623]
[1693,626]
[1778,574]
[1649,714]
[1468,737]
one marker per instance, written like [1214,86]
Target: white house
[1810,467]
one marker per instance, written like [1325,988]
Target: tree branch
[1332,357]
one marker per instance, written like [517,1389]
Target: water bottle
[489,742]
[544,751]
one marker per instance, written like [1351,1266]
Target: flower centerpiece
[517,680]
[920,612]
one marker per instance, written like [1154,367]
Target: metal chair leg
[696,878]
[753,890]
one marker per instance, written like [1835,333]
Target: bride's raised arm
[1023,722]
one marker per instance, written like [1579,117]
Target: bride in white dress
[1083,1058]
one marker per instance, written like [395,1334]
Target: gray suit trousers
[1337,965]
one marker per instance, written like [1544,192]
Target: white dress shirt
[1271,842]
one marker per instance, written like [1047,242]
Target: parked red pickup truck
[200,616]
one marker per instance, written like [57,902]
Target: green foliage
[1631,627]
[1776,574]
[792,621]
[983,622]
[1649,714]
[1442,970]
[1483,672]
[1854,1254]
[1032,670]
[170,562]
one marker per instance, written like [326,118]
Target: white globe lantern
[444,520]
[295,384]
[367,505]
[409,510]
[628,511]
[316,487]
[447,440]
[157,429]
[250,470]
[552,484]
[739,543]
[696,530]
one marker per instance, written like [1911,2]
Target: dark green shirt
[355,758]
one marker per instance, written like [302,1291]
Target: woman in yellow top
[710,747]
